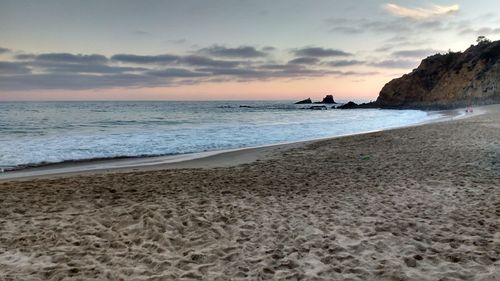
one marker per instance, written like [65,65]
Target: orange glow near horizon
[343,88]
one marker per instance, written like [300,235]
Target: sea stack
[328,99]
[306,101]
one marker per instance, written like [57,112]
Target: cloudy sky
[226,49]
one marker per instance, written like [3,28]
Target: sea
[39,133]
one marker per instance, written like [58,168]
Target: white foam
[206,131]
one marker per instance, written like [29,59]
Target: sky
[226,49]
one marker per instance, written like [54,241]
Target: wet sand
[417,203]
[209,159]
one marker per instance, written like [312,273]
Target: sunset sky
[223,49]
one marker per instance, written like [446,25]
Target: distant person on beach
[469,109]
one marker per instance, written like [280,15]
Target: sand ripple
[419,203]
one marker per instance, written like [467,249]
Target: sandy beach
[416,203]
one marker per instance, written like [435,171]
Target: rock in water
[318,107]
[328,99]
[306,101]
[349,105]
[448,81]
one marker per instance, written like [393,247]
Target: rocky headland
[445,81]
[448,80]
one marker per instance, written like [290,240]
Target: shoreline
[415,203]
[207,159]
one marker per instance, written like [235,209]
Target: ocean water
[51,132]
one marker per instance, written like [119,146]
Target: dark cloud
[340,63]
[266,73]
[354,73]
[78,71]
[206,61]
[85,68]
[238,52]
[137,59]
[76,81]
[9,68]
[304,60]
[4,50]
[176,73]
[193,60]
[275,66]
[403,64]
[71,58]
[25,57]
[237,72]
[319,52]
[70,63]
[67,81]
[302,72]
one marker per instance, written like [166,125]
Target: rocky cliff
[449,80]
